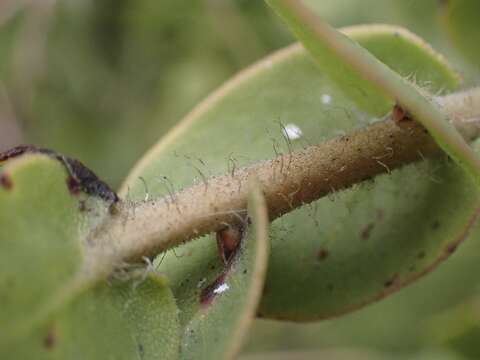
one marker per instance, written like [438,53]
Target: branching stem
[288,181]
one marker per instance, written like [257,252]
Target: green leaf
[337,354]
[345,59]
[457,327]
[338,253]
[461,21]
[384,48]
[220,311]
[341,354]
[107,322]
[385,42]
[53,304]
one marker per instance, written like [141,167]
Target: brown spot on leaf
[6,182]
[16,151]
[50,341]
[322,254]
[451,248]
[435,225]
[421,255]
[390,282]
[367,230]
[399,114]
[73,186]
[228,243]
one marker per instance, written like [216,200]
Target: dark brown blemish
[322,254]
[390,282]
[50,341]
[73,186]
[451,248]
[435,225]
[88,181]
[421,255]
[400,115]
[228,243]
[17,151]
[80,177]
[6,182]
[367,230]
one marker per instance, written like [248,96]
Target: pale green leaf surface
[377,39]
[114,322]
[387,325]
[377,236]
[343,58]
[35,265]
[461,20]
[50,309]
[351,354]
[386,42]
[336,354]
[216,329]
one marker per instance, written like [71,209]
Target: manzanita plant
[368,180]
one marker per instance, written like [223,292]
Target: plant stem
[320,39]
[288,181]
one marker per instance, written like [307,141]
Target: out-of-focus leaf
[338,253]
[342,354]
[461,21]
[457,327]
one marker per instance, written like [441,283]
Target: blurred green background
[102,81]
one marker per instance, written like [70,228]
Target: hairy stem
[320,38]
[288,181]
